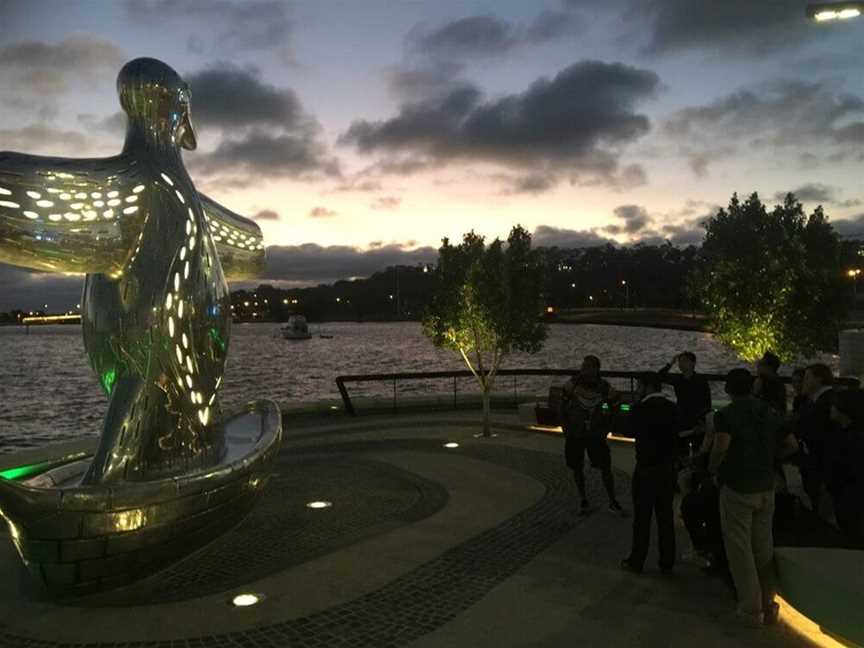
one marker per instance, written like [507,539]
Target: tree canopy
[771,280]
[486,303]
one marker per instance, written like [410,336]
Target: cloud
[40,72]
[684,234]
[43,67]
[777,115]
[548,236]
[425,79]
[358,184]
[850,227]
[813,192]
[846,204]
[228,96]
[40,139]
[245,160]
[266,214]
[488,35]
[29,289]
[313,264]
[321,212]
[635,218]
[578,121]
[532,183]
[114,124]
[386,203]
[266,131]
[221,25]
[743,28]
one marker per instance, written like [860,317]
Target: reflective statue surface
[156,307]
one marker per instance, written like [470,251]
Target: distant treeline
[656,276]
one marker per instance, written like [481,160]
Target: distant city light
[550,309]
[451,444]
[284,301]
[321,504]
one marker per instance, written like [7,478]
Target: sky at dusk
[359,133]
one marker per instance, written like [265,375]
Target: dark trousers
[700,511]
[652,495]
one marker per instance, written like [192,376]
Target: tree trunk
[487,430]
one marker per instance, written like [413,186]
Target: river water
[48,392]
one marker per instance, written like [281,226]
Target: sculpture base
[81,539]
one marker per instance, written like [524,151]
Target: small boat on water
[296,328]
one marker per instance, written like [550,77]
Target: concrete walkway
[478,545]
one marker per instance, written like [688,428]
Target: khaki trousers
[747,520]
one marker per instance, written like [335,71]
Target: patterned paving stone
[429,596]
[374,497]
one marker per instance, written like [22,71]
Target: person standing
[585,427]
[798,397]
[768,386]
[693,394]
[845,463]
[814,426]
[743,458]
[654,421]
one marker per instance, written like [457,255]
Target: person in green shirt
[746,446]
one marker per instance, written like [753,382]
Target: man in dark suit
[655,425]
[814,429]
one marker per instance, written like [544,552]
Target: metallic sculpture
[156,323]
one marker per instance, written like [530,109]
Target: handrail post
[346,399]
[454,392]
[394,395]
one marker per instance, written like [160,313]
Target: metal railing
[625,381]
[629,379]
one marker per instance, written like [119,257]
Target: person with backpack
[586,424]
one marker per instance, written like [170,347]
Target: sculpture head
[156,97]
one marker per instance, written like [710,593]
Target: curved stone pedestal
[825,585]
[79,539]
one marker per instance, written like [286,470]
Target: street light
[832,11]
[853,275]
[626,292]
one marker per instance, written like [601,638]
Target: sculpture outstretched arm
[69,215]
[239,242]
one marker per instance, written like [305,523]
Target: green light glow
[217,339]
[623,408]
[20,472]
[108,378]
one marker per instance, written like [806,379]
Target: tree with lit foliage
[771,281]
[486,303]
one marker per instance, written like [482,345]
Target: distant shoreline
[645,317]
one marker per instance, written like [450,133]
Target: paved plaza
[424,545]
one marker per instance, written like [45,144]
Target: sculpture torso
[157,334]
